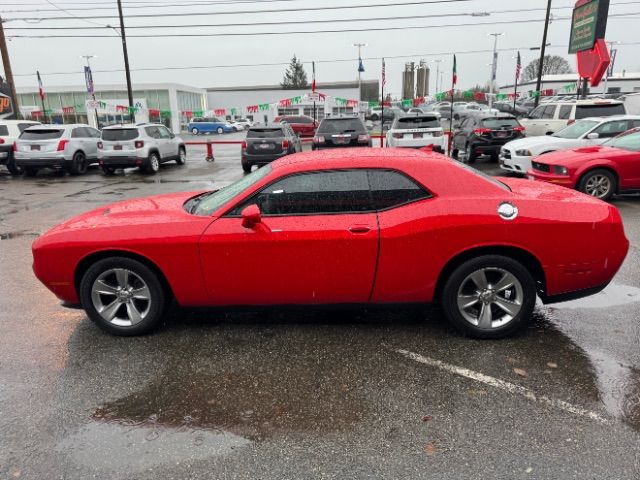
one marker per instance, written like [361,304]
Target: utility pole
[360,70]
[126,55]
[494,65]
[536,99]
[8,74]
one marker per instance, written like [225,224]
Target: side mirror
[251,216]
[549,133]
[593,136]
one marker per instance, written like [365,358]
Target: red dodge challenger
[363,226]
[600,170]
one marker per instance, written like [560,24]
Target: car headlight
[558,170]
[524,153]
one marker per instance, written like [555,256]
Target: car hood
[137,212]
[576,156]
[536,143]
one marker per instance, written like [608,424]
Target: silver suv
[144,145]
[70,148]
[10,130]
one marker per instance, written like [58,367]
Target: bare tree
[553,64]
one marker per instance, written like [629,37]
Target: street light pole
[494,65]
[126,55]
[437,73]
[359,45]
[542,49]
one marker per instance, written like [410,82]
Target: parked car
[516,156]
[302,124]
[507,107]
[484,134]
[200,125]
[145,146]
[341,132]
[360,226]
[417,131]
[10,130]
[473,108]
[245,122]
[553,116]
[389,113]
[71,148]
[265,144]
[599,170]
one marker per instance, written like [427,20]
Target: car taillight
[394,135]
[285,143]
[481,131]
[244,145]
[1,140]
[518,129]
[15,147]
[318,139]
[100,145]
[62,144]
[139,144]
[363,138]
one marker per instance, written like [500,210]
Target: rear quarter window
[119,134]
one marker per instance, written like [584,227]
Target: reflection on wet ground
[612,296]
[12,235]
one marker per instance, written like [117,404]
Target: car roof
[15,122]
[346,117]
[120,125]
[268,125]
[59,126]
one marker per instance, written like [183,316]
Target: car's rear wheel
[182,156]
[108,170]
[220,130]
[374,118]
[489,296]
[598,183]
[153,163]
[123,296]
[78,164]
[246,168]
[13,168]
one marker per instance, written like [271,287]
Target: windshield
[341,125]
[119,134]
[416,122]
[40,134]
[576,130]
[494,123]
[627,141]
[265,133]
[210,202]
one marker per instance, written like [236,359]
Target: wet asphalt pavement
[303,394]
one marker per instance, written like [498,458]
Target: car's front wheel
[182,156]
[123,296]
[490,296]
[220,130]
[598,183]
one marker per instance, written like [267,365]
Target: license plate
[342,141]
[117,147]
[35,147]
[417,135]
[265,146]
[501,134]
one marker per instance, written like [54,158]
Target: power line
[238,12]
[299,32]
[275,64]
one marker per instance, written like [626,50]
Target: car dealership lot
[299,394]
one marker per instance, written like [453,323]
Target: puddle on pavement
[254,405]
[612,296]
[127,448]
[12,235]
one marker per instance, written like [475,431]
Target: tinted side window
[164,133]
[611,129]
[314,193]
[537,112]
[79,132]
[4,131]
[549,111]
[152,132]
[565,112]
[391,189]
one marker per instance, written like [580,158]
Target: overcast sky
[522,29]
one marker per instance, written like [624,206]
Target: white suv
[10,130]
[144,145]
[417,131]
[516,156]
[549,117]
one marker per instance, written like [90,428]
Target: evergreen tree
[295,77]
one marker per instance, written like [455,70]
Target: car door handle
[359,229]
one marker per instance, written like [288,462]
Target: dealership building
[169,103]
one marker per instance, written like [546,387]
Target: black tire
[78,164]
[494,265]
[585,187]
[30,171]
[454,153]
[13,168]
[155,308]
[470,154]
[246,168]
[182,156]
[153,163]
[494,157]
[108,170]
[374,118]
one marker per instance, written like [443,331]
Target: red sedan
[301,124]
[358,226]
[600,170]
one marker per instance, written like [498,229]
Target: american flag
[384,75]
[518,67]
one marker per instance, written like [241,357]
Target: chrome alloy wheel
[598,186]
[490,298]
[121,297]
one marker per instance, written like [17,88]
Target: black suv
[268,143]
[341,132]
[484,134]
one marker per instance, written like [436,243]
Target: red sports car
[600,170]
[301,124]
[357,226]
